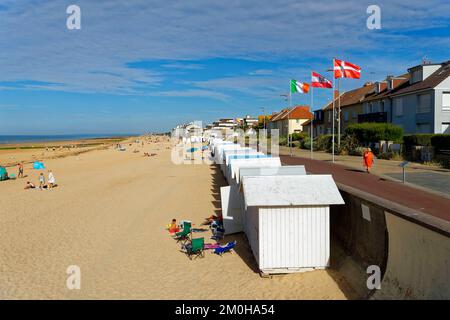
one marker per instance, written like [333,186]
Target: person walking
[20,175]
[368,159]
[51,179]
[41,181]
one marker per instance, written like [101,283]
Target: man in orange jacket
[368,159]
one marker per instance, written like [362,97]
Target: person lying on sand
[210,220]
[29,185]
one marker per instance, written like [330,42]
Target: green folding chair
[196,248]
[184,234]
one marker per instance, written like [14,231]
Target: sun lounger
[226,248]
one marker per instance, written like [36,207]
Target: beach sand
[108,216]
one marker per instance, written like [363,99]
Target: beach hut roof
[246,163]
[301,190]
[271,171]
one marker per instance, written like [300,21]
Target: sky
[145,66]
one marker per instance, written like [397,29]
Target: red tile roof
[298,112]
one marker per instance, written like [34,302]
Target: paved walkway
[433,178]
[429,203]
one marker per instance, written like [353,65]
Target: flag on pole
[344,69]
[319,81]
[301,87]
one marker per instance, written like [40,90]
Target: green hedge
[441,141]
[374,132]
[438,141]
[298,136]
[324,142]
[417,140]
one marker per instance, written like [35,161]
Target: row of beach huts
[284,212]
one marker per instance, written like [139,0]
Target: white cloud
[37,46]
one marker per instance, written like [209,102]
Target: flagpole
[332,148]
[312,120]
[289,116]
[339,114]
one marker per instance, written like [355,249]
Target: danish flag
[320,81]
[344,69]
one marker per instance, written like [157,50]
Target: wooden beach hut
[232,198]
[287,221]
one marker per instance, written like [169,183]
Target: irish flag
[301,87]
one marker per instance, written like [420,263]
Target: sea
[15,139]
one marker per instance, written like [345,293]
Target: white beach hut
[236,164]
[287,221]
[227,153]
[232,199]
[219,150]
[271,171]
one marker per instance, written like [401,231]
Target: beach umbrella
[191,149]
[38,165]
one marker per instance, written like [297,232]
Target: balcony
[372,117]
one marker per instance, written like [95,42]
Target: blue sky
[143,65]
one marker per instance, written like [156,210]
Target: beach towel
[209,246]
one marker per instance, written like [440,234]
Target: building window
[381,106]
[345,115]
[446,101]
[354,115]
[423,128]
[424,105]
[446,127]
[298,121]
[329,116]
[398,104]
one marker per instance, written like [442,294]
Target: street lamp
[263,109]
[288,98]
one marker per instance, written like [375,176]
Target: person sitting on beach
[41,181]
[29,185]
[51,179]
[173,227]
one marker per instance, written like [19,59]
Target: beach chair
[218,233]
[226,248]
[184,234]
[195,249]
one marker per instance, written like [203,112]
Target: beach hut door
[231,209]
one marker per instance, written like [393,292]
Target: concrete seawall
[411,248]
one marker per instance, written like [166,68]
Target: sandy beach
[108,216]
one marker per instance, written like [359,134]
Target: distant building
[288,121]
[250,122]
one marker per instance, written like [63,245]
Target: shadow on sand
[244,251]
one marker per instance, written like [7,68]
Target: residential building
[422,105]
[377,106]
[250,122]
[288,121]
